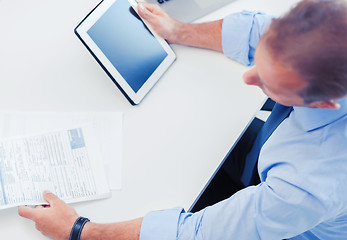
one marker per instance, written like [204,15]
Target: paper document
[105,126]
[61,162]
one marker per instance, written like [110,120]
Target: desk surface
[173,141]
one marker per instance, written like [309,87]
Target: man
[301,61]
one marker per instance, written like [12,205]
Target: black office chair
[226,180]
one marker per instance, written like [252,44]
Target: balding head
[311,40]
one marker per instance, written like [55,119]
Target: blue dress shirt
[302,167]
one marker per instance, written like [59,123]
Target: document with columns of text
[63,162]
[66,153]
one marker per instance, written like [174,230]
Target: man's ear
[331,104]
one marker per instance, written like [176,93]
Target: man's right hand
[203,35]
[165,26]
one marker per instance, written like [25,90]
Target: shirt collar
[313,118]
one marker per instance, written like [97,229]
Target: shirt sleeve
[270,210]
[241,33]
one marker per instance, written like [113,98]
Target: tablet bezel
[117,78]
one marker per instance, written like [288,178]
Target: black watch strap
[77,228]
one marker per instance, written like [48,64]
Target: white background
[172,142]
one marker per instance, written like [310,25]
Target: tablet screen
[135,58]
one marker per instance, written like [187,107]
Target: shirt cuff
[159,225]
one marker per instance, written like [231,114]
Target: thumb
[51,198]
[26,212]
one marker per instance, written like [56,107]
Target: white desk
[173,141]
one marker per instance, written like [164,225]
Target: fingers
[51,198]
[149,12]
[149,7]
[143,11]
[29,212]
[26,212]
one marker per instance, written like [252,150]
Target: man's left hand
[54,220]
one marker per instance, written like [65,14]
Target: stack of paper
[69,158]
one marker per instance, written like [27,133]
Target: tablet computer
[132,55]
